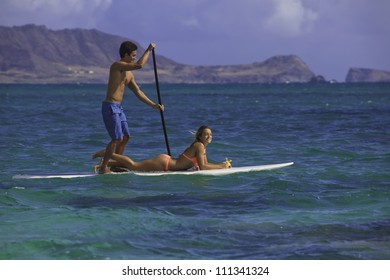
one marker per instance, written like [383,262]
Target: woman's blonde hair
[199,132]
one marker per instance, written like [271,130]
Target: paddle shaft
[159,101]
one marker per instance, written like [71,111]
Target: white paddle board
[53,176]
[218,172]
[213,172]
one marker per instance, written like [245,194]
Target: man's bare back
[121,75]
[117,83]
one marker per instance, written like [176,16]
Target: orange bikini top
[194,160]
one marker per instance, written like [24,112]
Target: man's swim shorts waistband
[112,103]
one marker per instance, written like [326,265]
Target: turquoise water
[332,204]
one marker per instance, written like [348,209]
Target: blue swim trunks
[115,120]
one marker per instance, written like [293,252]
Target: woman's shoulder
[198,145]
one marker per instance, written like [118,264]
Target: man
[112,111]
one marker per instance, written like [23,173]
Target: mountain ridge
[36,54]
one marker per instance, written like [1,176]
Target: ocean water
[333,203]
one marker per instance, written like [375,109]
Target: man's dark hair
[126,48]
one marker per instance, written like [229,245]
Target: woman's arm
[202,159]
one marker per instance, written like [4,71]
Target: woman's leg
[99,154]
[111,164]
[123,161]
[157,163]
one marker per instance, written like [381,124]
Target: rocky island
[365,75]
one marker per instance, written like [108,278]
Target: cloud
[340,33]
[54,13]
[191,22]
[290,18]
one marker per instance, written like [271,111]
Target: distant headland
[36,54]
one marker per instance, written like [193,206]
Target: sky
[331,36]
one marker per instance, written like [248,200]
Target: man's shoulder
[116,64]
[120,66]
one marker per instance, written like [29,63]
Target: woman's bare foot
[96,167]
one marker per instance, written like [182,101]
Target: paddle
[159,101]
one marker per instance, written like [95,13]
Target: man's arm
[144,58]
[141,95]
[130,66]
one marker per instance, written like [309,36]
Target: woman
[193,157]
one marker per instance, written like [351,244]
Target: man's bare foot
[104,171]
[118,169]
[99,154]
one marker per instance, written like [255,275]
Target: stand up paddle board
[213,172]
[53,176]
[218,172]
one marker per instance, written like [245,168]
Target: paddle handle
[159,102]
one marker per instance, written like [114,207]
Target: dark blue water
[332,204]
